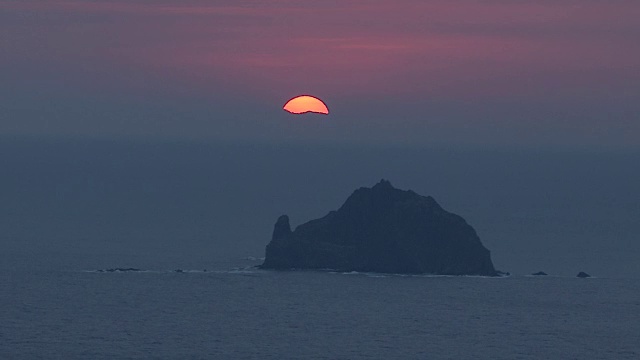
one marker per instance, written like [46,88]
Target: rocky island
[382,229]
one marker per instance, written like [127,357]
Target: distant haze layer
[559,212]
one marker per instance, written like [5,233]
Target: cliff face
[382,229]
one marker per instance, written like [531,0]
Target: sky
[156,127]
[542,74]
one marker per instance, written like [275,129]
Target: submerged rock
[540,273]
[583,275]
[381,229]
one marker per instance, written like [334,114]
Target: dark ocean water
[232,311]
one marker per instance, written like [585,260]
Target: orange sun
[306,103]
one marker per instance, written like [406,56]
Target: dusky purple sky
[536,73]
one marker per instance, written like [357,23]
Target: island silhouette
[382,229]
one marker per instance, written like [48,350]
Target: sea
[228,309]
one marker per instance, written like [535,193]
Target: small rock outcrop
[540,273]
[382,229]
[583,275]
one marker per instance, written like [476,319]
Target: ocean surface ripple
[242,312]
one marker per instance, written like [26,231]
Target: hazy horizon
[560,212]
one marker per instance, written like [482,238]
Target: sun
[306,103]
